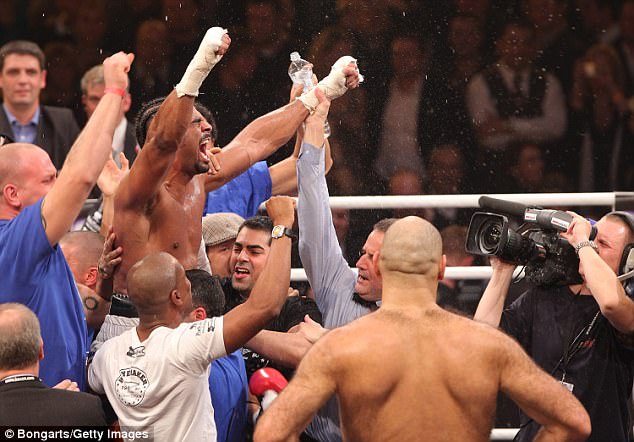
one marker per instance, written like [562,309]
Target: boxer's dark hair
[149,109]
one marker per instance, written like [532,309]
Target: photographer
[579,332]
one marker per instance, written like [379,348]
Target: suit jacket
[56,131]
[28,403]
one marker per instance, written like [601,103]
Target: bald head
[82,251]
[12,159]
[411,246]
[152,280]
[20,340]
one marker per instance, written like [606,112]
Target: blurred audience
[513,101]
[598,107]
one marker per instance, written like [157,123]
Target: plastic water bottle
[301,72]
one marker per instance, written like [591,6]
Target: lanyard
[572,347]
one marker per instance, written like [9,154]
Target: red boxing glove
[266,379]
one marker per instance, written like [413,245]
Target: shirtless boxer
[412,371]
[159,205]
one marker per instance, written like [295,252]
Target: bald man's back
[420,382]
[424,374]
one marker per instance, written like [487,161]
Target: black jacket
[56,132]
[29,403]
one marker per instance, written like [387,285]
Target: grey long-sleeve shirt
[328,272]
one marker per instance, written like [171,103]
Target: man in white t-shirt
[155,375]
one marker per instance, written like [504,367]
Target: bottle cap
[295,56]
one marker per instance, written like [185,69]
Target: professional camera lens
[489,236]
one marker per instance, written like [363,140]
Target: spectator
[446,177]
[512,101]
[555,42]
[460,295]
[233,91]
[449,75]
[526,168]
[219,234]
[36,210]
[598,105]
[405,107]
[22,77]
[152,73]
[61,75]
[90,27]
[82,251]
[92,90]
[266,29]
[249,257]
[406,182]
[24,399]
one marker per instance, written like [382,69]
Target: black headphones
[627,258]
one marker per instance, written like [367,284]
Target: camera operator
[578,333]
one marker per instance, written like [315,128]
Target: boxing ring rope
[547,200]
[611,199]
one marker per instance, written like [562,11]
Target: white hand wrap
[334,85]
[203,62]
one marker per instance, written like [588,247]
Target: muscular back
[168,222]
[418,378]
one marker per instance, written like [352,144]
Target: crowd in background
[424,63]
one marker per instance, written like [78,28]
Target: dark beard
[201,167]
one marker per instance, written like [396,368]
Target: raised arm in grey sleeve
[328,272]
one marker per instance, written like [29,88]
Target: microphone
[266,383]
[548,219]
[504,206]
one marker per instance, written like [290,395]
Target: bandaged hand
[344,75]
[214,45]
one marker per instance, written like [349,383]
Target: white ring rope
[482,272]
[547,200]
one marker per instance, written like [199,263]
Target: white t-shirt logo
[131,386]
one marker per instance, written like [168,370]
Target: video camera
[549,258]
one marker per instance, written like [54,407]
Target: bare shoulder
[351,340]
[487,339]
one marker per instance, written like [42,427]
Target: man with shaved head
[413,371]
[82,250]
[156,375]
[36,209]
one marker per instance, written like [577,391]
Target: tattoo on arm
[91,303]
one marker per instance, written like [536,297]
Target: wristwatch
[586,243]
[280,230]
